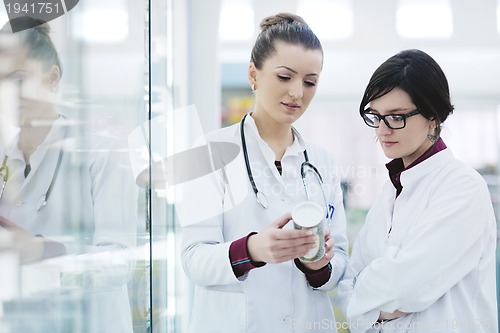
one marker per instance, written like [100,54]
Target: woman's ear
[54,77]
[252,76]
[433,124]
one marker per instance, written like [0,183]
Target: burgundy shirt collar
[396,166]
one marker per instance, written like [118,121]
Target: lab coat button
[19,203]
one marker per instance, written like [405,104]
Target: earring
[253,87]
[432,137]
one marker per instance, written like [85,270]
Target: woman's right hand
[29,247]
[273,244]
[391,316]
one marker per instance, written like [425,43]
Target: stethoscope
[4,172]
[305,167]
[42,201]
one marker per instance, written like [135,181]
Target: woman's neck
[278,136]
[30,137]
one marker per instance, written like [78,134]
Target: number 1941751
[33,7]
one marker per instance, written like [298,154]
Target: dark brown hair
[420,76]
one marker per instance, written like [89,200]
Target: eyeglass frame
[382,118]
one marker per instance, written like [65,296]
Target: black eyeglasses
[393,121]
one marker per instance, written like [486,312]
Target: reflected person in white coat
[425,259]
[244,260]
[69,196]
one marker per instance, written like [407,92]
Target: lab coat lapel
[388,208]
[264,149]
[401,211]
[44,161]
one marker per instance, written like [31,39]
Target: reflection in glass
[68,215]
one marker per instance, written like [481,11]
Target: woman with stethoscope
[63,189]
[244,260]
[32,80]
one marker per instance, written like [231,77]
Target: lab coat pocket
[218,311]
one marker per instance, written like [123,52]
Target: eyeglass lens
[392,121]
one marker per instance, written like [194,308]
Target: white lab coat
[276,297]
[437,262]
[91,209]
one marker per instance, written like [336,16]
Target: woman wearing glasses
[425,259]
[243,259]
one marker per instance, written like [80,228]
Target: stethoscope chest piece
[262,199]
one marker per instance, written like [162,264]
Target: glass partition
[75,243]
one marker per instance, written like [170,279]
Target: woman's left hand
[329,253]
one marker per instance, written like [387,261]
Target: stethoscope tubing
[260,196]
[42,201]
[245,154]
[4,172]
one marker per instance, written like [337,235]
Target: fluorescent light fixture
[329,19]
[424,19]
[102,22]
[236,21]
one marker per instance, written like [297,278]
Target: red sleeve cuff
[315,278]
[239,257]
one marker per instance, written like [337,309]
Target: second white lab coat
[430,252]
[274,298]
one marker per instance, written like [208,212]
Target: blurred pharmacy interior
[158,74]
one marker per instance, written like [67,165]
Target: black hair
[420,76]
[285,27]
[35,35]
